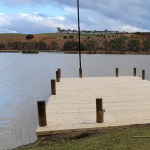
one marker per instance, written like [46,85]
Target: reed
[15,130]
[21,132]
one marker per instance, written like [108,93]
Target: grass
[115,138]
[11,34]
[52,34]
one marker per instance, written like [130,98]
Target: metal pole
[79,33]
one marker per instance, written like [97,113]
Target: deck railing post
[53,87]
[143,74]
[99,110]
[42,113]
[57,77]
[134,72]
[116,72]
[59,70]
[80,72]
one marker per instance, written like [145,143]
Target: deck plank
[126,100]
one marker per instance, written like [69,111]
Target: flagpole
[80,69]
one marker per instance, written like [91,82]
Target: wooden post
[99,110]
[59,70]
[134,73]
[57,77]
[80,72]
[53,87]
[42,113]
[116,72]
[143,74]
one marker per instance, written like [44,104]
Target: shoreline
[82,52]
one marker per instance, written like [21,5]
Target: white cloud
[121,15]
[2,30]
[24,15]
[35,12]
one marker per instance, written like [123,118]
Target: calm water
[25,79]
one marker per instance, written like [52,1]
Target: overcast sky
[44,16]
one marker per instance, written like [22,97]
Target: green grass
[120,138]
[51,35]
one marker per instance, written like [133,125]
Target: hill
[97,43]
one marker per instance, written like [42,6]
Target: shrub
[73,45]
[2,46]
[30,51]
[88,37]
[54,45]
[71,36]
[89,45]
[39,45]
[65,37]
[146,45]
[15,45]
[133,45]
[29,36]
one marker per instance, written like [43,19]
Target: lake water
[25,79]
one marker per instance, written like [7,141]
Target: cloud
[122,15]
[6,31]
[31,23]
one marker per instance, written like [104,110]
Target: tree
[15,45]
[146,44]
[54,45]
[133,45]
[41,46]
[29,36]
[28,47]
[58,29]
[118,45]
[2,46]
[106,45]
[71,36]
[105,30]
[73,46]
[89,45]
[65,37]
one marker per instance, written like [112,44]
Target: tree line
[122,45]
[33,45]
[119,45]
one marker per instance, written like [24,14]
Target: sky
[44,16]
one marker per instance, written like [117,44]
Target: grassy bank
[114,138]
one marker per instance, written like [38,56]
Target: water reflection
[25,79]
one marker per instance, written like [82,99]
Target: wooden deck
[126,100]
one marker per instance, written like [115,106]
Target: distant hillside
[56,41]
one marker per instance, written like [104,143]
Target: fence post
[53,87]
[134,72]
[80,72]
[116,72]
[57,77]
[59,70]
[143,74]
[99,110]
[42,113]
